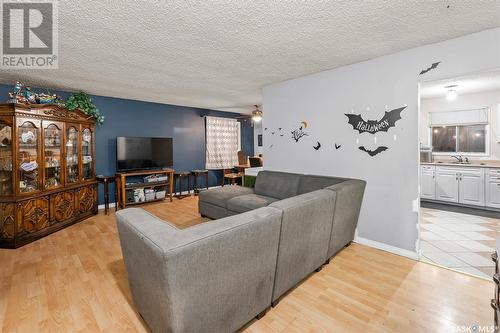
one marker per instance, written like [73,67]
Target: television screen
[143,153]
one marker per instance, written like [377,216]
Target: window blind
[463,117]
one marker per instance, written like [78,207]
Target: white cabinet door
[446,184]
[427,182]
[471,187]
[493,188]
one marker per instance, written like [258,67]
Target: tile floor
[459,241]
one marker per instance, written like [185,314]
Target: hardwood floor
[75,281]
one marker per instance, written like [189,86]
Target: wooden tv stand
[121,183]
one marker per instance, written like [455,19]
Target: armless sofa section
[217,276]
[212,277]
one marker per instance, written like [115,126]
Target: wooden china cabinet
[47,178]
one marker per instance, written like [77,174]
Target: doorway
[460,172]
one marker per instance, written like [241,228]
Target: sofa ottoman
[212,203]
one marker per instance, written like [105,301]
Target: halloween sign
[373,126]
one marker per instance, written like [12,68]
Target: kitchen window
[460,132]
[466,139]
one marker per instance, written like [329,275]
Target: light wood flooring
[75,281]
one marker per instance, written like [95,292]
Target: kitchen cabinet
[446,184]
[427,182]
[468,185]
[492,185]
[465,185]
[471,186]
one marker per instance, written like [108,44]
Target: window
[459,139]
[222,140]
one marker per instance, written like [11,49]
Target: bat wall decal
[428,69]
[318,146]
[337,146]
[298,134]
[373,126]
[373,152]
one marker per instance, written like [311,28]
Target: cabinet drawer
[472,171]
[493,172]
[493,178]
[448,169]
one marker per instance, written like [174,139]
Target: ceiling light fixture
[451,93]
[256,114]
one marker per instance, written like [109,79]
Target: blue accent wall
[185,125]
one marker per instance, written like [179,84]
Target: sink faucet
[459,158]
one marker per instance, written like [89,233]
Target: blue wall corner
[185,125]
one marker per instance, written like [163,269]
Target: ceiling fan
[255,116]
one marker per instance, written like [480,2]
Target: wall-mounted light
[256,114]
[451,92]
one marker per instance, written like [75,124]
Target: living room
[230,166]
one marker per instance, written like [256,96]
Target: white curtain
[222,143]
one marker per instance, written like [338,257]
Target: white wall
[322,99]
[490,99]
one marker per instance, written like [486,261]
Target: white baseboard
[111,205]
[385,247]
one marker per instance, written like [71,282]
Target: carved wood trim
[7,220]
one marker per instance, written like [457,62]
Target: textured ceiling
[219,54]
[470,84]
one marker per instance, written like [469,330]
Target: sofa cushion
[280,185]
[309,183]
[219,196]
[247,202]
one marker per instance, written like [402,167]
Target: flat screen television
[133,153]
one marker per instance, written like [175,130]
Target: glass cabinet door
[87,163]
[28,157]
[5,158]
[52,155]
[72,172]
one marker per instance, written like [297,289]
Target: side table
[179,175]
[196,173]
[106,180]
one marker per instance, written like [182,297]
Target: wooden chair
[231,176]
[242,158]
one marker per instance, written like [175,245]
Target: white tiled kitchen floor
[459,241]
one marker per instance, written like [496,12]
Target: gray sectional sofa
[217,276]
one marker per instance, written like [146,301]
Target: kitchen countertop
[473,164]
